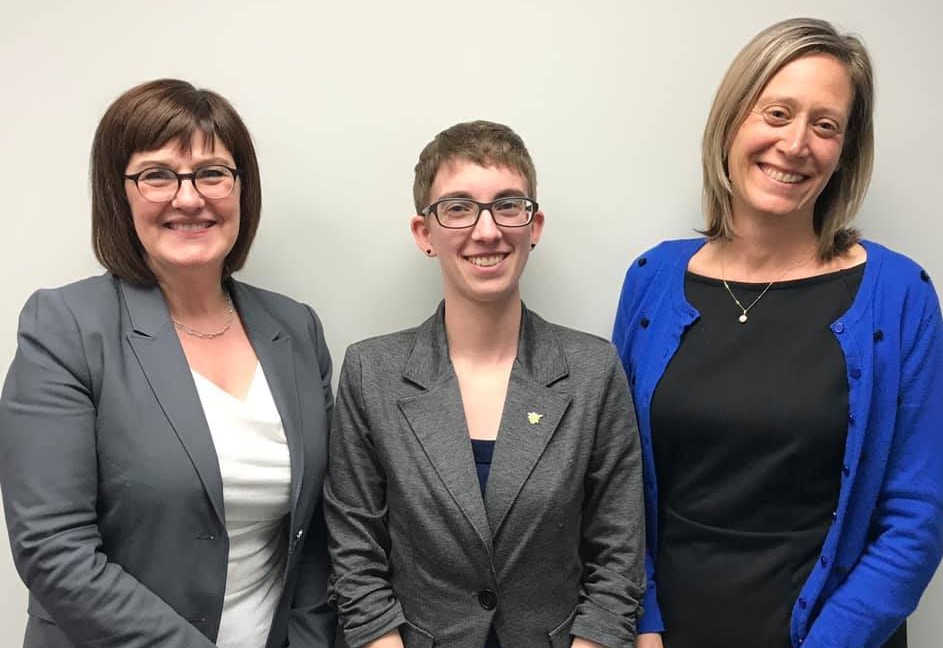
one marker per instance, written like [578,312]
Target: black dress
[748,425]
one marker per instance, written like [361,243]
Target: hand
[390,640]
[579,642]
[649,640]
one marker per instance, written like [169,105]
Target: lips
[486,260]
[779,175]
[189,226]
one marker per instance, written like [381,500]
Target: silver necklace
[746,309]
[209,335]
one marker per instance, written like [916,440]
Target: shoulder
[584,352]
[653,266]
[896,268]
[389,345]
[94,298]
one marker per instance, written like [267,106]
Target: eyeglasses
[459,213]
[158,184]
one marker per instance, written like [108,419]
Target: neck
[192,296]
[486,332]
[766,245]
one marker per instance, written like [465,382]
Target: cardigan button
[839,327]
[925,275]
[824,561]
[845,470]
[855,373]
[487,599]
[644,322]
[802,603]
[878,335]
[642,261]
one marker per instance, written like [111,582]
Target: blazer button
[487,599]
[642,261]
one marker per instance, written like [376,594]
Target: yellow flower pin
[534,418]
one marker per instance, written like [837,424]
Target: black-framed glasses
[159,184]
[459,213]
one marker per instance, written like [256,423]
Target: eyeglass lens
[463,213]
[162,184]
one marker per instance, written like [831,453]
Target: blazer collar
[531,415]
[157,347]
[539,353]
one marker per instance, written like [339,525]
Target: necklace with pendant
[744,310]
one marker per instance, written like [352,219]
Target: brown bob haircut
[749,73]
[148,117]
[482,142]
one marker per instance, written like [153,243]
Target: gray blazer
[555,547]
[111,485]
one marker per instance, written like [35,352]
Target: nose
[188,198]
[486,229]
[795,139]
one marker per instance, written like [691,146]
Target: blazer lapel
[532,412]
[437,419]
[154,341]
[276,355]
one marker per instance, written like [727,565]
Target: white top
[255,466]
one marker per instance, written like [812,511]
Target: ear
[537,228]
[419,226]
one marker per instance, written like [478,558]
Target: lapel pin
[534,418]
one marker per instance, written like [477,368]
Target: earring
[429,251]
[533,245]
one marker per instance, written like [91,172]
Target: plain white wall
[609,95]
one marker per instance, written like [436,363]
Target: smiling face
[786,150]
[188,232]
[483,263]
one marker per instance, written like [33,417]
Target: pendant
[742,318]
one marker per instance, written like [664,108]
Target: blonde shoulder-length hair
[757,63]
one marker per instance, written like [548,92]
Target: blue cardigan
[887,537]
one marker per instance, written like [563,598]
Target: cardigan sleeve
[49,481]
[906,544]
[355,510]
[650,619]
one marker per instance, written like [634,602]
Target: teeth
[487,260]
[190,227]
[781,176]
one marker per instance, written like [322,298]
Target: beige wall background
[610,95]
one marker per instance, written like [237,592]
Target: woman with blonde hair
[787,375]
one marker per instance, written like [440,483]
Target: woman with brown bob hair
[787,376]
[163,427]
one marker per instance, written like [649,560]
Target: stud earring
[533,245]
[429,251]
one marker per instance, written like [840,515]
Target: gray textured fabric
[111,485]
[558,536]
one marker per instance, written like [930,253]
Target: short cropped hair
[748,74]
[148,117]
[482,142]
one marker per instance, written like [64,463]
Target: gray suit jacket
[111,485]
[555,546]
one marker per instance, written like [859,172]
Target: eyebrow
[791,101]
[504,193]
[146,164]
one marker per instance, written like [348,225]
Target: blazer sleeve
[613,533]
[355,508]
[313,620]
[48,476]
[898,563]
